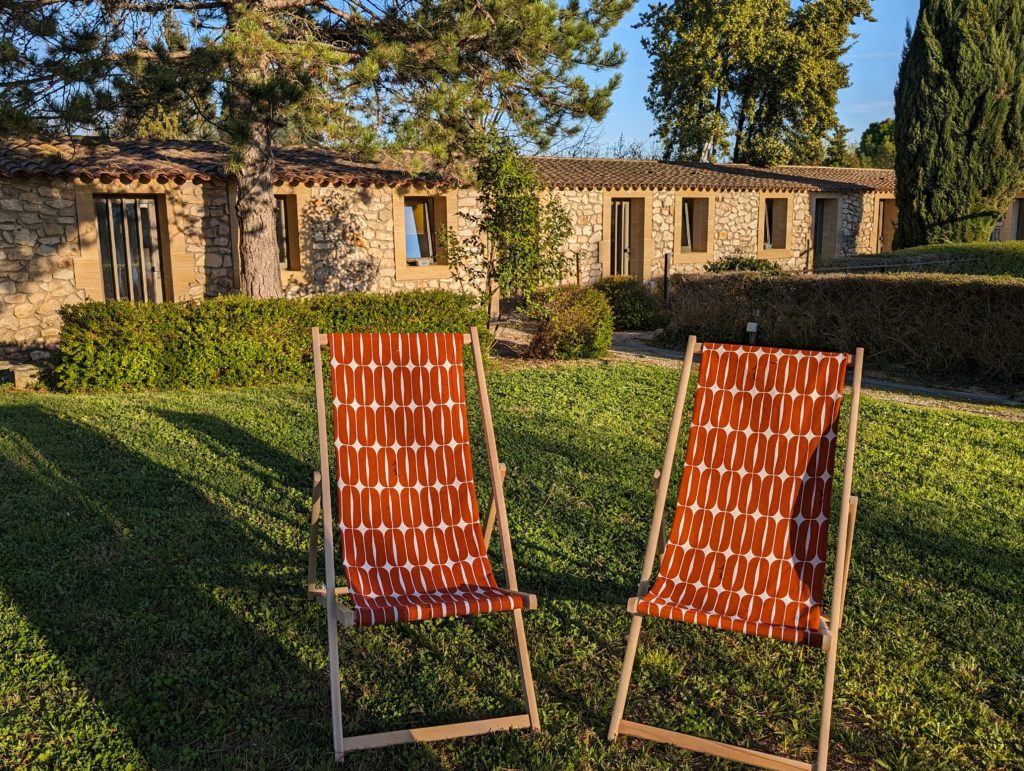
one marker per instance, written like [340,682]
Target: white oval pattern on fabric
[412,544]
[750,532]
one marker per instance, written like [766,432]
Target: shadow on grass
[134,576]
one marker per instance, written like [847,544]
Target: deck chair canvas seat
[411,540]
[748,545]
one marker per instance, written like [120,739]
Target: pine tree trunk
[260,272]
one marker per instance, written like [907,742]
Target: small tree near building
[519,238]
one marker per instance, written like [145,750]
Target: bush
[573,323]
[634,305]
[230,341]
[738,263]
[957,328]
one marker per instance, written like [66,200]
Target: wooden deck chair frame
[321,520]
[831,623]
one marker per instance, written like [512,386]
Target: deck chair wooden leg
[627,673]
[526,673]
[821,759]
[335,674]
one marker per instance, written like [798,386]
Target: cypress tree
[959,120]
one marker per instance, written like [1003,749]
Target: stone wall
[863,216]
[663,231]
[38,244]
[344,236]
[346,242]
[735,225]
[41,253]
[583,247]
[208,234]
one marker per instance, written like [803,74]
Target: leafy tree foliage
[518,243]
[358,75]
[959,120]
[754,79]
[877,149]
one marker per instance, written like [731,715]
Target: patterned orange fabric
[748,542]
[411,539]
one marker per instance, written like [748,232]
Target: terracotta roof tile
[203,161]
[608,173]
[194,161]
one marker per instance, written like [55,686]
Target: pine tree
[837,150]
[754,79]
[959,120]
[353,75]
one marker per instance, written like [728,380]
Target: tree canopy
[959,127]
[756,80]
[356,74]
[877,148]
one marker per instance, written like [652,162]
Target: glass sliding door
[129,242]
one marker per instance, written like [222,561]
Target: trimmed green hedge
[963,329]
[738,262]
[985,258]
[229,341]
[574,322]
[634,305]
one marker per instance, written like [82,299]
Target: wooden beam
[435,733]
[492,510]
[709,747]
[334,611]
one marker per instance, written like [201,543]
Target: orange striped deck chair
[748,545]
[411,540]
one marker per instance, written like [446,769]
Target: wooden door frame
[645,198]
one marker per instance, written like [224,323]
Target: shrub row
[954,328]
[573,322]
[634,305]
[232,340]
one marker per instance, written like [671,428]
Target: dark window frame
[286,232]
[427,240]
[130,243]
[771,221]
[695,224]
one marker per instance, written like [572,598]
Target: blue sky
[874,61]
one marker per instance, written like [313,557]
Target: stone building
[155,221]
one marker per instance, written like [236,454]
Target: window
[776,211]
[286,226]
[420,218]
[1019,235]
[693,214]
[420,231]
[129,242]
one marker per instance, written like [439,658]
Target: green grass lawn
[153,610]
[984,258]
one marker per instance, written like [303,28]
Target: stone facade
[582,249]
[347,242]
[735,225]
[49,254]
[38,243]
